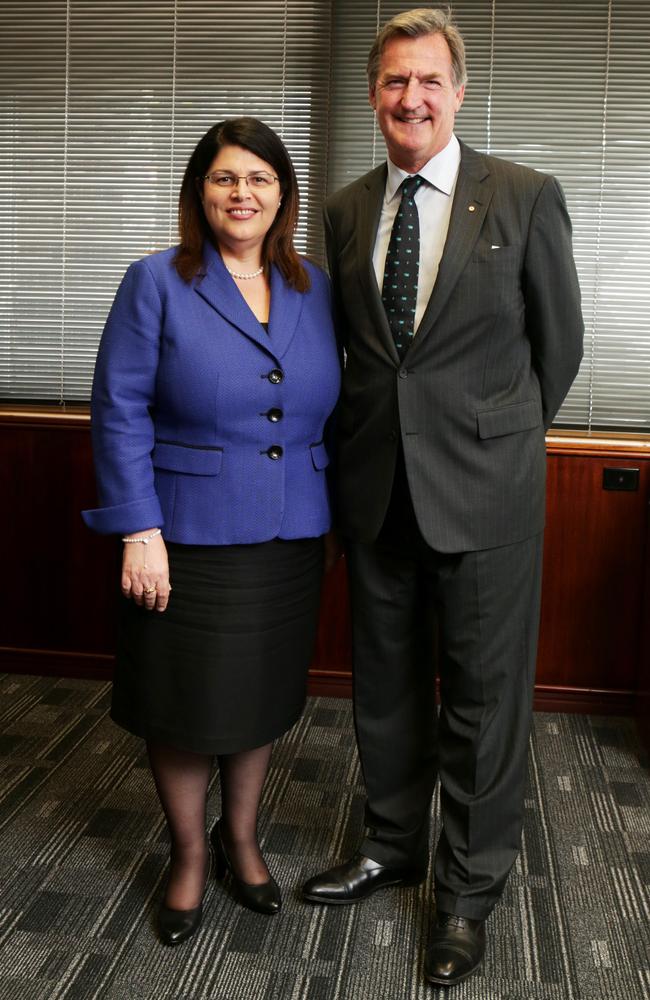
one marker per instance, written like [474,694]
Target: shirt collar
[440,171]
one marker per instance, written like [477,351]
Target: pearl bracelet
[145,539]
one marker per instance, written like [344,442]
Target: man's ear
[372,97]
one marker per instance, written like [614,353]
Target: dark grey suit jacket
[494,356]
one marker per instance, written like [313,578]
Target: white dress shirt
[433,200]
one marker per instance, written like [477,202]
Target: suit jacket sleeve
[337,307]
[331,430]
[553,316]
[123,392]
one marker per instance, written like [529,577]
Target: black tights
[182,781]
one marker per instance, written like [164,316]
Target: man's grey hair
[415,24]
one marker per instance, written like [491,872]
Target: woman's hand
[145,571]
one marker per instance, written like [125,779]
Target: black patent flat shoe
[176,926]
[456,949]
[264,898]
[357,879]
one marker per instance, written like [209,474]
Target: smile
[242,213]
[412,121]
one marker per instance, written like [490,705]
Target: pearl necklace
[251,274]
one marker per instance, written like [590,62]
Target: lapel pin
[472,208]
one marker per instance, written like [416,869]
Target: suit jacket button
[275,376]
[403,373]
[274,415]
[275,452]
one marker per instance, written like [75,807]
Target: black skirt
[224,668]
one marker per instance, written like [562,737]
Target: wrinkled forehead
[425,56]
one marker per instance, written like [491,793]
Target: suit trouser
[485,605]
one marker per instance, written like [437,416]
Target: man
[454,369]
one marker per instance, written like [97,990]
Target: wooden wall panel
[594,566]
[331,671]
[58,600]
[643,685]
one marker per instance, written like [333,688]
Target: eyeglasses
[260,179]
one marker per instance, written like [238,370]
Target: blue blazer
[202,422]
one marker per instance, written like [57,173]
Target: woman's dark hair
[193,227]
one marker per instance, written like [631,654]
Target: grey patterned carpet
[83,849]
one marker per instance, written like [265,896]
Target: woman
[216,373]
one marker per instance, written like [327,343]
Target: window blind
[101,105]
[564,88]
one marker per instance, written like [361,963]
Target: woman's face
[240,214]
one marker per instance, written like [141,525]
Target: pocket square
[495,246]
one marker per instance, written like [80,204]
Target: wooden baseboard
[642,712]
[547,698]
[56,663]
[583,701]
[330,684]
[323,683]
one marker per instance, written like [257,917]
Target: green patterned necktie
[400,288]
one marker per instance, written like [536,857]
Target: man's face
[415,99]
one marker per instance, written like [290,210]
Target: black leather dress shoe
[456,949]
[175,926]
[356,879]
[263,898]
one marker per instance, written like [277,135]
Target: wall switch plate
[621,479]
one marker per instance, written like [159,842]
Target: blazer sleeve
[122,398]
[552,294]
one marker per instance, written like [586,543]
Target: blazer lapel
[218,289]
[474,189]
[369,214]
[286,307]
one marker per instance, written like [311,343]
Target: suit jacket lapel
[218,289]
[474,189]
[369,214]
